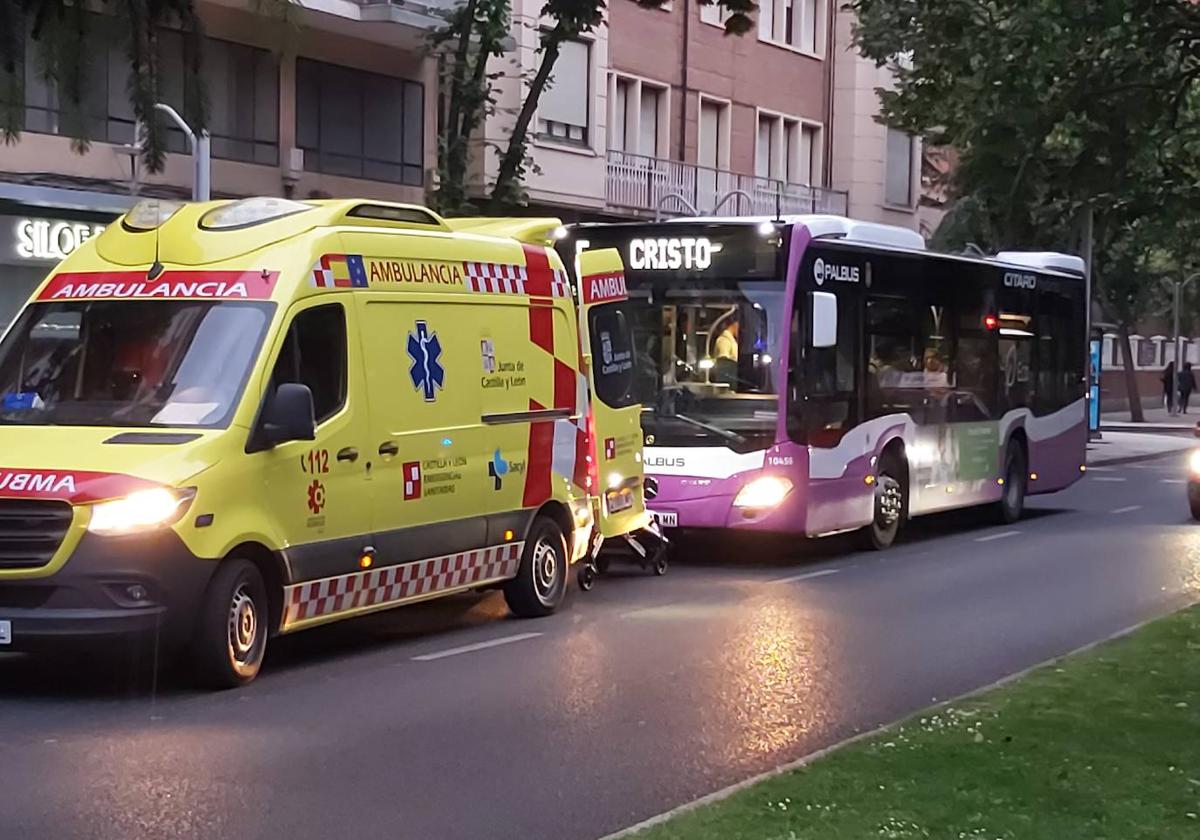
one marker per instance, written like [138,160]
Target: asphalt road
[639,696]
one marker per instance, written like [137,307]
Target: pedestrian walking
[1168,383]
[1187,384]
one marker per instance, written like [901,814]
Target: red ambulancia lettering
[75,486]
[598,288]
[133,285]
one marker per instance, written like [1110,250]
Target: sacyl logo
[823,271]
[1020,281]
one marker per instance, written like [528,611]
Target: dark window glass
[129,363]
[829,407]
[612,355]
[358,124]
[314,354]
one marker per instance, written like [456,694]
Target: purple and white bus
[815,375]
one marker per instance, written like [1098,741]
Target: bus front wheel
[888,507]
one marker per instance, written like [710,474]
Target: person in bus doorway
[1187,384]
[1168,383]
[725,354]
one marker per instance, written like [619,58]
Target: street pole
[1088,234]
[201,157]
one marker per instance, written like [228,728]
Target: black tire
[889,507]
[541,581]
[1016,482]
[231,633]
[1194,504]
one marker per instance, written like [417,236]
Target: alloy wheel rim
[545,571]
[243,625]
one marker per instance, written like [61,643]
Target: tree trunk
[514,154]
[455,164]
[1131,386]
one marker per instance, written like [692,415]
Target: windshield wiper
[716,430]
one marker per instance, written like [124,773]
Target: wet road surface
[451,720]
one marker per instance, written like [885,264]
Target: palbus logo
[823,271]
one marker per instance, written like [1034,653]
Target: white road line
[806,576]
[504,640]
[1129,509]
[1172,481]
[1109,478]
[1000,536]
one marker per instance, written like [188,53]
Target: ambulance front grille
[31,530]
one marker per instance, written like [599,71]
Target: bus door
[606,338]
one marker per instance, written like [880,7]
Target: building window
[563,109]
[786,149]
[799,24]
[714,14]
[713,149]
[899,188]
[638,117]
[358,124]
[242,84]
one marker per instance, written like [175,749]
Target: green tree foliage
[1058,109]
[61,35]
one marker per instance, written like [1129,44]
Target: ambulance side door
[421,357]
[314,490]
[607,338]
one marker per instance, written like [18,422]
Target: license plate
[618,500]
[5,632]
[665,518]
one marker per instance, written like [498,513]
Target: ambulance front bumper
[110,588]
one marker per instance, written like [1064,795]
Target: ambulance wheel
[541,581]
[231,634]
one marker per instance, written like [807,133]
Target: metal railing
[645,184]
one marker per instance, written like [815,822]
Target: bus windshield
[129,363]
[708,362]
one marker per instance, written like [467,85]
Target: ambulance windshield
[129,363]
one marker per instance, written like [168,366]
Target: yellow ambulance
[227,420]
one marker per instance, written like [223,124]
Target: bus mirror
[824,319]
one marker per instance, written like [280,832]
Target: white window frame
[778,169]
[588,144]
[914,171]
[714,15]
[777,37]
[724,129]
[633,116]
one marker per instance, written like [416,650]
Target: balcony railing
[647,185]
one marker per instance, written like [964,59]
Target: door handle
[348,454]
[389,447]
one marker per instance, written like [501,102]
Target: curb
[803,761]
[1149,428]
[1130,459]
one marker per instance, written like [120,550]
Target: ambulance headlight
[144,510]
[763,493]
[1194,463]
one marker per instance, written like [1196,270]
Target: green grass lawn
[1103,745]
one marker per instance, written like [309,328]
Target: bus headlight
[764,492]
[1194,463]
[140,511]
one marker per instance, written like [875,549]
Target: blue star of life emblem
[426,370]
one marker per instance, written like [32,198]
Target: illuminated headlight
[144,510]
[765,492]
[1194,463]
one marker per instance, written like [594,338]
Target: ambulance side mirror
[288,415]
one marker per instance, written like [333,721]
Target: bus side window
[828,408]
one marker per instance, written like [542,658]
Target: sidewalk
[1157,420]
[1118,446]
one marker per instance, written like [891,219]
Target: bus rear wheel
[541,581]
[889,507]
[1016,475]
